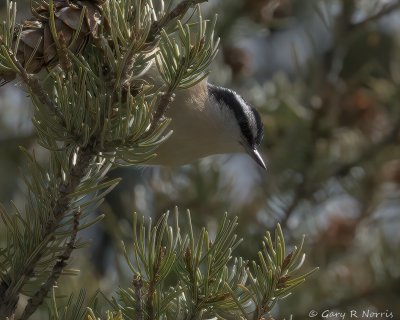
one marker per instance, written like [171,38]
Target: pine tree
[94,111]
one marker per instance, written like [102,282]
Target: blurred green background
[325,76]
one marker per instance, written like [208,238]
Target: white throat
[200,128]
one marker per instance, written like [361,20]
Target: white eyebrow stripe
[246,116]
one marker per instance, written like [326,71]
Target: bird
[206,120]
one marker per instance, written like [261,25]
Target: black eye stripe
[235,103]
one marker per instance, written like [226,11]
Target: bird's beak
[257,158]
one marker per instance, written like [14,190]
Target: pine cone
[36,33]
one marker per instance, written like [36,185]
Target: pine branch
[138,285]
[78,307]
[175,13]
[33,84]
[80,120]
[164,100]
[9,292]
[201,282]
[386,10]
[37,299]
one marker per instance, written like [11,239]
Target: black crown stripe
[230,99]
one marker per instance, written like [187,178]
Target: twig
[154,32]
[162,105]
[34,85]
[165,100]
[65,61]
[298,197]
[193,312]
[178,11]
[302,192]
[150,300]
[9,292]
[386,10]
[127,71]
[41,294]
[152,285]
[390,138]
[138,285]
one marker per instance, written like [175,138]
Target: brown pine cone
[36,33]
